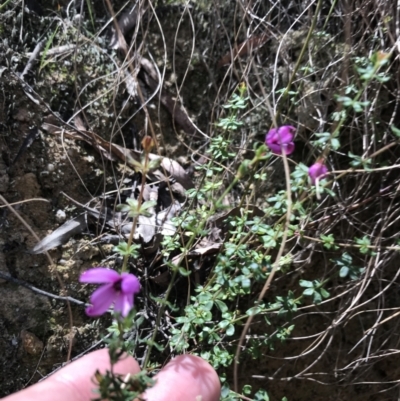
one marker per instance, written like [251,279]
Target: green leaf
[364,243]
[335,143]
[329,241]
[344,271]
[144,209]
[159,347]
[122,249]
[230,331]
[148,204]
[308,291]
[305,283]
[347,101]
[317,297]
[382,78]
[208,305]
[246,282]
[395,130]
[247,389]
[184,272]
[261,395]
[221,305]
[223,324]
[253,311]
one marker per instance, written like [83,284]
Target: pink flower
[281,139]
[317,171]
[117,288]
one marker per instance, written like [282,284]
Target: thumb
[74,382]
[185,378]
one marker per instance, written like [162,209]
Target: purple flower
[281,139]
[317,171]
[117,288]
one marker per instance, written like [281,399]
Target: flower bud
[280,140]
[147,143]
[317,171]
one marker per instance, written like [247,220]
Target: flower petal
[281,139]
[271,135]
[130,283]
[275,148]
[101,300]
[288,148]
[99,275]
[123,304]
[286,133]
[317,170]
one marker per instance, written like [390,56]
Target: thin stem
[273,271]
[135,219]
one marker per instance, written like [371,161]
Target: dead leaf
[113,151]
[126,22]
[175,170]
[164,218]
[177,112]
[61,235]
[208,250]
[32,345]
[79,124]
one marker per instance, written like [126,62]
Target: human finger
[74,382]
[185,378]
